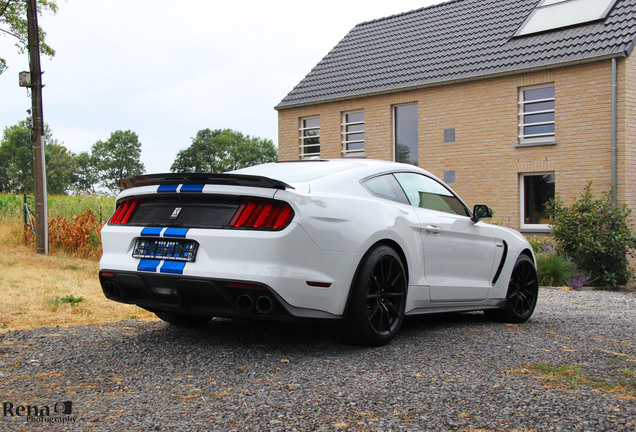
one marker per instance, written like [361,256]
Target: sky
[167,69]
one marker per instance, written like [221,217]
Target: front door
[459,254]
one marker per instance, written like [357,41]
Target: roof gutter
[620,54]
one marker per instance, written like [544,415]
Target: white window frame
[522,201]
[345,135]
[542,138]
[303,138]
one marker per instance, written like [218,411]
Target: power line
[12,34]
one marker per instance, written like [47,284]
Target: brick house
[508,101]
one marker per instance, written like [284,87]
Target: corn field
[74,221]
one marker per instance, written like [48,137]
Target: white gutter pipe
[614,159]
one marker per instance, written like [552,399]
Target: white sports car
[361,241]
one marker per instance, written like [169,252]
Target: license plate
[163,249]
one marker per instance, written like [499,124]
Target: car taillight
[262,215]
[124,211]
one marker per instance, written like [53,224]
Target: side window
[427,193]
[387,187]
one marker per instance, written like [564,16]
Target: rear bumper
[203,297]
[301,279]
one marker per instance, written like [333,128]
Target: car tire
[523,291]
[378,299]
[183,320]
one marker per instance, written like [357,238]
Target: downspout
[614,160]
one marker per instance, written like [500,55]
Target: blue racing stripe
[176,232]
[191,188]
[148,265]
[168,188]
[174,267]
[151,232]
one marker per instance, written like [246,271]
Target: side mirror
[481,211]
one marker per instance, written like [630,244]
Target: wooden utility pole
[37,132]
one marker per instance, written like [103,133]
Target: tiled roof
[456,40]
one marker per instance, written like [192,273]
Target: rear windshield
[297,172]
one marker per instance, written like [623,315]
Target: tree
[223,150]
[16,159]
[85,178]
[16,162]
[13,21]
[60,166]
[117,158]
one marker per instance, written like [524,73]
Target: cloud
[167,69]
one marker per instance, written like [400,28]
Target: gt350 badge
[175,213]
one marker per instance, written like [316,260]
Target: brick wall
[627,132]
[485,117]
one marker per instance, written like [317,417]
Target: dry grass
[31,283]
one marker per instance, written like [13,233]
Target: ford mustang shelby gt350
[361,241]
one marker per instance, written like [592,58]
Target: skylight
[554,14]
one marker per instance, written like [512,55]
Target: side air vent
[501,264]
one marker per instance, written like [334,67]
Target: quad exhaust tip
[244,303]
[262,304]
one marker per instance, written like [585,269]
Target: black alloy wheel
[523,291]
[378,298]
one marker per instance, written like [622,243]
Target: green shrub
[596,234]
[539,245]
[554,270]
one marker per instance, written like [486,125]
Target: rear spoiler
[203,178]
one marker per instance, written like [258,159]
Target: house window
[405,133]
[536,191]
[353,134]
[309,137]
[536,115]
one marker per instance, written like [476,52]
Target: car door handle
[433,229]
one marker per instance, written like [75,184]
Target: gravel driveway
[570,368]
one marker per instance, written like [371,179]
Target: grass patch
[629,381]
[54,302]
[568,375]
[36,286]
[70,299]
[572,376]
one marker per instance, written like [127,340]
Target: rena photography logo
[59,412]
